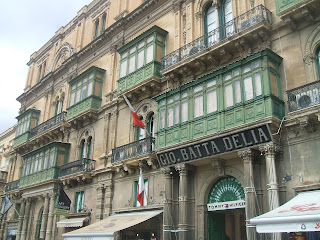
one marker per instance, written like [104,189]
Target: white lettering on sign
[226,205]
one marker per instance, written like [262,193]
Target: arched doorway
[226,210]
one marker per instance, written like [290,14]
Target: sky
[25,26]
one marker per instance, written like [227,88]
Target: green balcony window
[318,62]
[241,93]
[26,121]
[141,58]
[86,91]
[42,164]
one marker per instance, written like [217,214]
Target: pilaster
[167,217]
[183,170]
[50,217]
[249,189]
[26,219]
[44,216]
[21,217]
[270,150]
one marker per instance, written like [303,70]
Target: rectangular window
[212,101]
[123,68]
[140,59]
[237,91]
[170,117]
[162,119]
[228,95]
[184,111]
[198,106]
[248,88]
[79,202]
[176,113]
[132,64]
[149,56]
[144,193]
[257,83]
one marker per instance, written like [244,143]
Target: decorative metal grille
[82,165]
[304,96]
[134,149]
[254,16]
[52,122]
[12,186]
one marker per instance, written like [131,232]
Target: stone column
[44,216]
[269,150]
[108,194]
[50,217]
[21,217]
[26,219]
[183,200]
[167,211]
[247,157]
[100,202]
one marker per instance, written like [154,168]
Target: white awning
[114,223]
[71,222]
[300,214]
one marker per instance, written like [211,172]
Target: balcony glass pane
[212,101]
[248,89]
[228,95]
[198,106]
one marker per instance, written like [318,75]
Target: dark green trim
[89,70]
[142,36]
[29,111]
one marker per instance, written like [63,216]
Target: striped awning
[71,222]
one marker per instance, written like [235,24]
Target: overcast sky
[25,26]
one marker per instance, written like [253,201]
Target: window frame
[155,38]
[81,202]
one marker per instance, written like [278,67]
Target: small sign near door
[226,205]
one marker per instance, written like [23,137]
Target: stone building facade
[228,92]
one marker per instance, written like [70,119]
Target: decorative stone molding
[269,149]
[65,51]
[218,167]
[309,59]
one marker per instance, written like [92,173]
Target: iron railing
[82,165]
[10,186]
[134,149]
[52,122]
[304,96]
[252,17]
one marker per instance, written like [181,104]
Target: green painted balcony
[42,165]
[21,139]
[39,177]
[246,92]
[150,70]
[87,104]
[297,8]
[11,186]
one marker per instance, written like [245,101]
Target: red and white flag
[140,189]
[136,120]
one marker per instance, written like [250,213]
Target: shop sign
[226,205]
[235,141]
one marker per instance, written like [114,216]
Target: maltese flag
[140,189]
[136,120]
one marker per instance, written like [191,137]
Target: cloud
[25,27]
